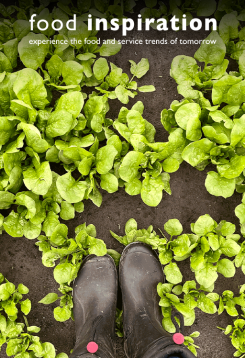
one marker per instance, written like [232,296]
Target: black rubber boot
[95,297]
[140,272]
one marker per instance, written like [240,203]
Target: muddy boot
[94,297]
[140,272]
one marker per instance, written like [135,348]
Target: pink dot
[92,347]
[178,338]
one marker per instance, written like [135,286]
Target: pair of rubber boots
[95,298]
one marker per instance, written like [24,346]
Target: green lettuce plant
[21,338]
[66,255]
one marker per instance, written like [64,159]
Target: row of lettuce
[211,249]
[211,115]
[56,154]
[20,338]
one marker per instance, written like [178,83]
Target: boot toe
[138,247]
[95,264]
[106,259]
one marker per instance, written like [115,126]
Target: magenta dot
[178,338]
[92,347]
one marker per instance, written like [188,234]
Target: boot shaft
[140,272]
[94,297]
